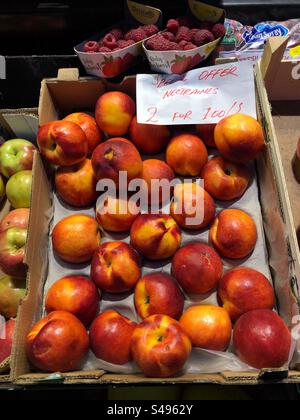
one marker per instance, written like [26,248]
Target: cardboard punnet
[108,65]
[58,98]
[179,62]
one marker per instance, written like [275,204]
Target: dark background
[37,40]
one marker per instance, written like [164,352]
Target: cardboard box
[278,83]
[108,65]
[179,62]
[66,94]
[16,123]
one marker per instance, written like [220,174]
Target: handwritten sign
[202,96]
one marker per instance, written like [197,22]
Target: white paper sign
[202,96]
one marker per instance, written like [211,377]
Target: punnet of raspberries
[184,34]
[118,39]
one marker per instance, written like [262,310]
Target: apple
[158,293]
[18,189]
[110,337]
[262,340]
[57,343]
[13,236]
[12,291]
[74,294]
[62,143]
[160,347]
[15,156]
[77,184]
[2,189]
[6,339]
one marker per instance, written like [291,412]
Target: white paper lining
[201,361]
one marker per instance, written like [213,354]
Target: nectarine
[192,207]
[225,180]
[149,139]
[89,126]
[58,343]
[186,155]
[262,340]
[158,293]
[239,138]
[234,234]
[76,238]
[110,337]
[74,294]
[115,267]
[197,268]
[156,237]
[114,156]
[77,184]
[114,113]
[208,327]
[116,215]
[154,172]
[62,143]
[207,134]
[160,347]
[242,290]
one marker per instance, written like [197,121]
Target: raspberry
[185,21]
[218,30]
[203,37]
[169,36]
[159,43]
[117,33]
[91,46]
[190,46]
[173,26]
[104,50]
[110,41]
[193,32]
[183,44]
[136,35]
[150,30]
[183,34]
[124,44]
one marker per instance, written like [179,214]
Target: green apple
[13,237]
[18,189]
[11,292]
[15,156]
[2,189]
